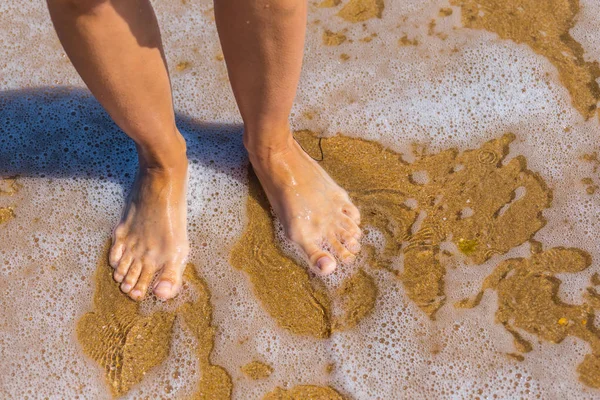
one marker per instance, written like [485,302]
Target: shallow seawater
[465,130]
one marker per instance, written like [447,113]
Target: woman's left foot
[315,212]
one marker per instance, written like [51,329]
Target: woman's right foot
[152,234]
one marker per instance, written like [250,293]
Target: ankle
[265,145]
[168,153]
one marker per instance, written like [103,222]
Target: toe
[132,276]
[118,246]
[349,241]
[340,250]
[116,253]
[169,281]
[321,261]
[348,224]
[351,211]
[123,267]
[141,287]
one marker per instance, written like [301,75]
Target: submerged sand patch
[333,38]
[304,392]
[528,299]
[544,26]
[257,370]
[329,3]
[128,344]
[362,10]
[9,186]
[215,382]
[357,295]
[6,214]
[125,343]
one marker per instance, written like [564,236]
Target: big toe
[321,261]
[169,281]
[326,264]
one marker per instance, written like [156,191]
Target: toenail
[118,277]
[136,294]
[164,287]
[325,263]
[126,287]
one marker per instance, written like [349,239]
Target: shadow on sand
[64,132]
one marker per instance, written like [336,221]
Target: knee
[76,6]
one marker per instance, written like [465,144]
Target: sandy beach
[465,131]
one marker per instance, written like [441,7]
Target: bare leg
[263,41]
[115,46]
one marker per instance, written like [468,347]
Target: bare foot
[315,212]
[152,234]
